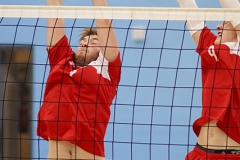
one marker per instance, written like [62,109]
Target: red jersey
[77,100]
[220,65]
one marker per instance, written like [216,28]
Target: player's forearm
[195,26]
[193,23]
[229,3]
[54,2]
[232,4]
[102,23]
[100,2]
[55,30]
[106,34]
[107,39]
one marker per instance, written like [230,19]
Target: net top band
[132,13]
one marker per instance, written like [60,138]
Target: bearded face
[87,51]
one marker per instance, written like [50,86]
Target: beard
[81,60]
[84,58]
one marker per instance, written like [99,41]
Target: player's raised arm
[55,30]
[232,4]
[106,35]
[195,27]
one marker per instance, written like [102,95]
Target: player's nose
[219,27]
[83,44]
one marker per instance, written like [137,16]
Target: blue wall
[150,121]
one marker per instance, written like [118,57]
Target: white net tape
[134,13]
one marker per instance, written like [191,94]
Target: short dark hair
[87,32]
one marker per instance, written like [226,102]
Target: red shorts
[198,154]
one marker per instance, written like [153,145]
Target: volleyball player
[218,128]
[79,90]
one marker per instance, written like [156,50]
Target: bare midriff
[212,137]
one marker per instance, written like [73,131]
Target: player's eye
[95,42]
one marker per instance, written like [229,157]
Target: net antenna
[133,13]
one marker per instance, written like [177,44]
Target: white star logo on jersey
[72,73]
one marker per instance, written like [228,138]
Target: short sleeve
[114,69]
[205,49]
[59,51]
[206,39]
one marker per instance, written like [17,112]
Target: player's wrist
[99,2]
[54,2]
[231,4]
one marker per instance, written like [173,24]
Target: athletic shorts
[199,154]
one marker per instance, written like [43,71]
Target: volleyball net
[132,13]
[159,95]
